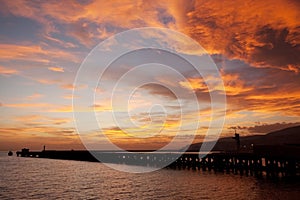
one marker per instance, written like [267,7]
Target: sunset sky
[254,44]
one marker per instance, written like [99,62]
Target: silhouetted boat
[10,153]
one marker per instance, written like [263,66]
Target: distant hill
[288,136]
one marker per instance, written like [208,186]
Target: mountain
[288,136]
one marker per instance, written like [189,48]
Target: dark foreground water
[34,178]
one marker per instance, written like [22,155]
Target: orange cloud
[235,85]
[28,105]
[79,18]
[45,107]
[60,42]
[67,108]
[34,96]
[70,86]
[194,84]
[259,32]
[281,102]
[34,120]
[248,90]
[35,137]
[7,71]
[34,53]
[102,107]
[123,140]
[69,96]
[48,81]
[56,69]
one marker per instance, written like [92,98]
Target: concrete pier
[252,164]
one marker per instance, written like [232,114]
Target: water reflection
[45,178]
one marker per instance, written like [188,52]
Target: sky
[254,45]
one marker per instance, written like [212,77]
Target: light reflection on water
[33,178]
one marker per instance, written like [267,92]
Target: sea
[40,178]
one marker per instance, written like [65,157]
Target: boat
[10,153]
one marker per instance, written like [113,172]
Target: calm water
[33,178]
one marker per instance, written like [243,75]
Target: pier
[256,163]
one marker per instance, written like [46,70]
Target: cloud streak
[7,71]
[56,69]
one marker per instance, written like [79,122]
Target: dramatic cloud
[255,44]
[261,33]
[255,89]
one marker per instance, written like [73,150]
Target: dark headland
[284,141]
